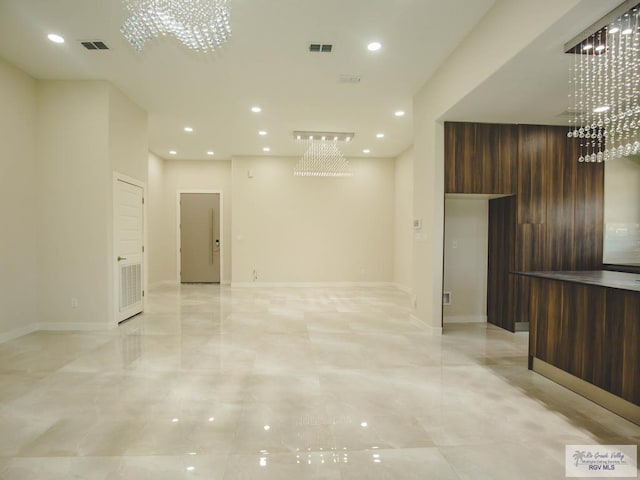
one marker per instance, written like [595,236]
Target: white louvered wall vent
[130,285]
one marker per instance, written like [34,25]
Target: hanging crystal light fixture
[323,157]
[201,25]
[605,88]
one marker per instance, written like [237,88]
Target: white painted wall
[622,211]
[466,241]
[85,131]
[312,230]
[403,221]
[166,178]
[128,152]
[18,206]
[158,243]
[463,71]
[73,181]
[128,139]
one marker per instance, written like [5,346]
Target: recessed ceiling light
[601,109]
[191,468]
[366,150]
[266,149]
[627,31]
[256,109]
[600,48]
[588,46]
[172,152]
[188,129]
[210,153]
[399,113]
[55,38]
[262,133]
[379,135]
[374,46]
[614,30]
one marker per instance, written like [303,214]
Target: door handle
[218,244]
[121,258]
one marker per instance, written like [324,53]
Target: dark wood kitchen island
[585,334]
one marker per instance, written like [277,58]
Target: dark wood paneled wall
[559,203]
[591,332]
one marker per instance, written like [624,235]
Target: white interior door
[128,248]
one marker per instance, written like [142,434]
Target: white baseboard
[403,288]
[436,331]
[53,327]
[18,332]
[162,283]
[310,284]
[465,319]
[74,326]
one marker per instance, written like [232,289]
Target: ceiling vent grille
[320,47]
[347,78]
[94,45]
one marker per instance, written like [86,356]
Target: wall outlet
[74,302]
[454,244]
[446,298]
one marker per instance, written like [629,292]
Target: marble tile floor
[224,383]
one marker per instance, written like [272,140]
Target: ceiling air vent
[94,45]
[320,47]
[347,78]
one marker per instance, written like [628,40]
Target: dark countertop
[601,278]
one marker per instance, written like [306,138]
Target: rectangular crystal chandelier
[323,157]
[605,86]
[201,25]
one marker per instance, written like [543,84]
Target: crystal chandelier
[201,25]
[605,89]
[323,157]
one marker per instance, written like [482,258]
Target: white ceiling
[532,88]
[266,62]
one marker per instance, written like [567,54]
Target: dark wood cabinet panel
[559,203]
[533,174]
[505,178]
[461,169]
[500,286]
[622,346]
[530,247]
[481,158]
[589,331]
